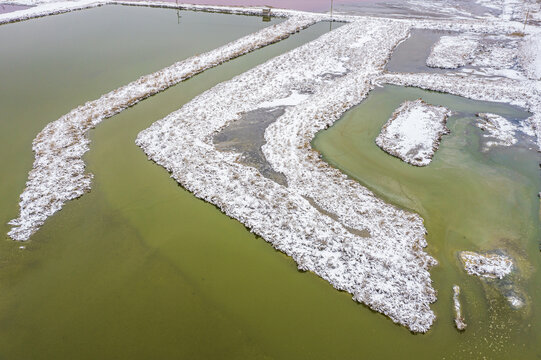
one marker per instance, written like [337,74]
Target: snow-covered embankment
[327,223]
[58,173]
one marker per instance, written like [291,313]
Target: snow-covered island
[414,131]
[488,265]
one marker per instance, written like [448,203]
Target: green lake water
[141,269]
[469,200]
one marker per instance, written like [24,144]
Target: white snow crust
[499,129]
[530,54]
[486,265]
[414,131]
[501,55]
[295,98]
[318,218]
[451,52]
[58,174]
[459,319]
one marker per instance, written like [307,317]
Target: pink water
[307,5]
[9,8]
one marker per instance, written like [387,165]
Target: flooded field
[470,200]
[140,268]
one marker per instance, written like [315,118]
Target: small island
[414,131]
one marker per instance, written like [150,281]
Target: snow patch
[488,265]
[451,52]
[294,99]
[414,131]
[515,301]
[46,8]
[498,128]
[526,94]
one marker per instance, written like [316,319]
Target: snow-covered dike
[451,52]
[48,8]
[486,265]
[326,222]
[54,7]
[414,131]
[58,174]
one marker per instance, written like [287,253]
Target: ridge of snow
[459,319]
[53,7]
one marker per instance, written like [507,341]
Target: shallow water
[411,55]
[246,136]
[470,201]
